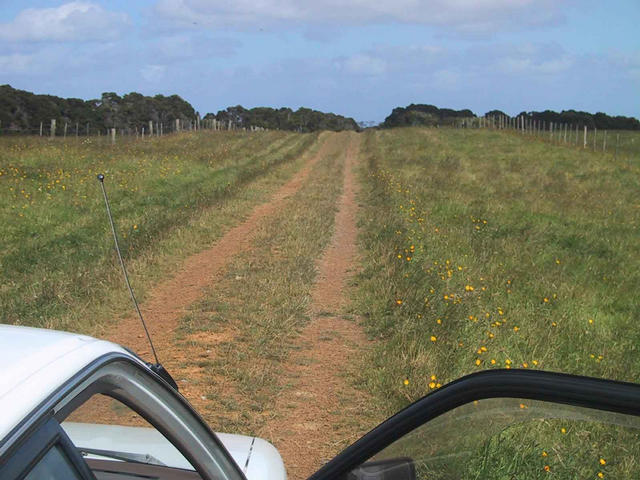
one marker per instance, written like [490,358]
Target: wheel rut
[318,411]
[169,301]
[307,424]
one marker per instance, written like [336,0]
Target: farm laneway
[308,426]
[303,408]
[169,300]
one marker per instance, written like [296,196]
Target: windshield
[326,209]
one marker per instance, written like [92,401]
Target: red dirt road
[168,302]
[306,421]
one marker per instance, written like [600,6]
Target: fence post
[52,132]
[113,136]
[617,140]
[150,128]
[40,128]
[65,129]
[177,124]
[595,136]
[585,137]
[604,142]
[551,131]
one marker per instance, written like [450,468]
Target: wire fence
[53,128]
[616,142]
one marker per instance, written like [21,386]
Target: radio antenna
[124,269]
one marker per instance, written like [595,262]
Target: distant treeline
[23,112]
[431,115]
[301,120]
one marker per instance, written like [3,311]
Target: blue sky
[359,58]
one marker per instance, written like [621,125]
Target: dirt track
[305,420]
[306,425]
[169,300]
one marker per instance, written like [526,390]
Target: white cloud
[533,59]
[362,64]
[626,61]
[16,63]
[531,66]
[471,16]
[71,21]
[187,46]
[153,73]
[446,79]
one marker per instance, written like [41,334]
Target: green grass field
[56,252]
[495,250]
[490,250]
[479,249]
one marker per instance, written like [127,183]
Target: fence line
[147,129]
[560,133]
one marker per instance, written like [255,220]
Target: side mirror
[391,469]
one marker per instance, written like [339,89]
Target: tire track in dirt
[169,300]
[307,422]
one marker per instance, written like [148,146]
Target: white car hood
[257,458]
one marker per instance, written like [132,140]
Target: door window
[510,439]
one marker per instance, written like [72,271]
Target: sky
[359,58]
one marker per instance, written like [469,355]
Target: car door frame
[115,374]
[578,391]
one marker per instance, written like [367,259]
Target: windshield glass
[326,209]
[105,428]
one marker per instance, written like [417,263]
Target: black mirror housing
[401,468]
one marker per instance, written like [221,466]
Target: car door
[179,444]
[504,424]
